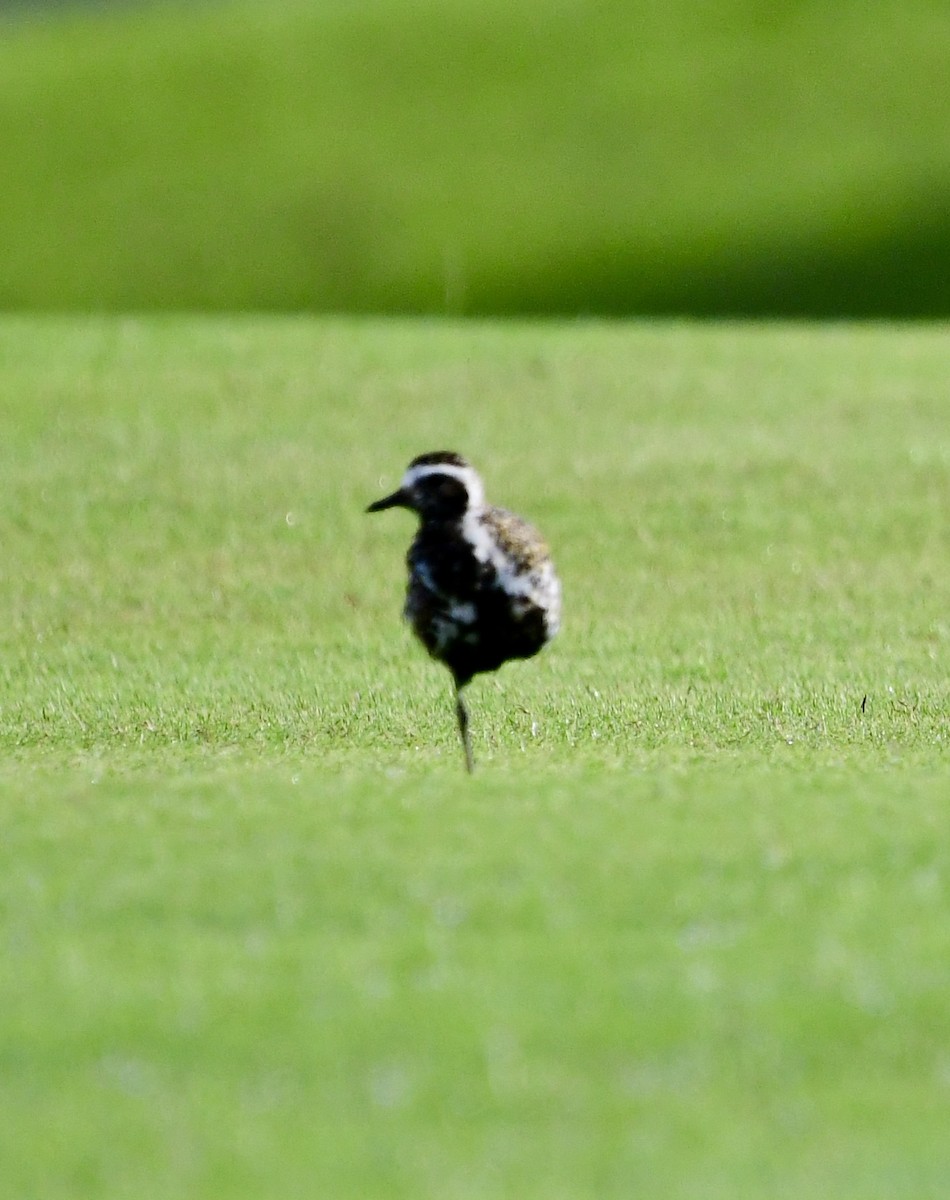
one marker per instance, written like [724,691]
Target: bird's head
[440,486]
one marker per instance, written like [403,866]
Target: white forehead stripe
[466,475]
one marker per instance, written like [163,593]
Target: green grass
[686,931]
[478,156]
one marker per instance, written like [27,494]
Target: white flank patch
[551,590]
[478,537]
[545,592]
[540,586]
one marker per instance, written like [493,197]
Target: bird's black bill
[396,500]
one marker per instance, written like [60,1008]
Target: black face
[434,497]
[439,497]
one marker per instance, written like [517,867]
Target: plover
[482,588]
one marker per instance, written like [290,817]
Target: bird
[482,588]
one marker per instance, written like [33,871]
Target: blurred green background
[478,156]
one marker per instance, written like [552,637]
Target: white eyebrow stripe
[465,475]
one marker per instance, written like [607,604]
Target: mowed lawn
[687,930]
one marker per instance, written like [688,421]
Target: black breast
[447,586]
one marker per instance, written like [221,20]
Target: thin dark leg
[462,714]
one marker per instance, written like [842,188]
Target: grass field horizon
[483,158]
[683,933]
